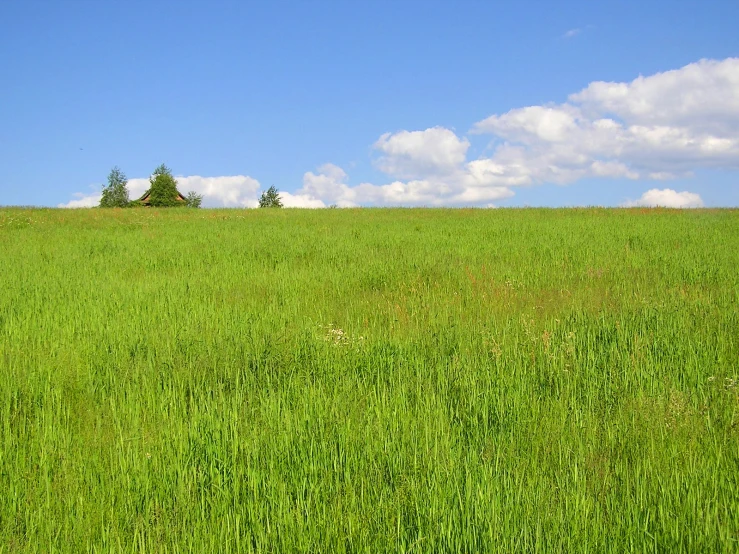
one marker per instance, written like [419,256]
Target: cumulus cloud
[657,127]
[457,187]
[232,191]
[413,154]
[667,198]
[653,128]
[82,200]
[290,200]
[329,183]
[572,33]
[700,97]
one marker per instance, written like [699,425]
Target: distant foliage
[162,192]
[270,198]
[115,195]
[193,200]
[163,188]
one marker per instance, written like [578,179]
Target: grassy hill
[369,380]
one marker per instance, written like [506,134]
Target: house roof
[144,199]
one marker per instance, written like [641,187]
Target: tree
[193,200]
[163,188]
[115,195]
[270,198]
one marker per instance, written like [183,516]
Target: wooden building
[144,200]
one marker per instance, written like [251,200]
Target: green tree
[115,195]
[193,200]
[270,198]
[163,188]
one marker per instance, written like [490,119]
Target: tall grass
[369,381]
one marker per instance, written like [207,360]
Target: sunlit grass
[369,380]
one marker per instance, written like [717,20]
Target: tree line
[163,192]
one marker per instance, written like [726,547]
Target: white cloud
[412,154]
[534,122]
[657,127]
[701,96]
[458,187]
[300,201]
[667,198]
[572,33]
[233,191]
[82,200]
[654,128]
[329,184]
[426,193]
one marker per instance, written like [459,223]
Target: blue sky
[373,103]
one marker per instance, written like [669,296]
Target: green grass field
[369,381]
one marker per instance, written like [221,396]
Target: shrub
[193,200]
[163,188]
[115,195]
[270,198]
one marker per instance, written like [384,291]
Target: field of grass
[369,381]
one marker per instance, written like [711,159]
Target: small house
[144,200]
